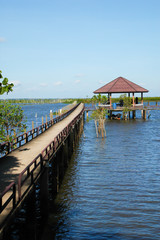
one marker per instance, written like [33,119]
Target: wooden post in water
[110,114]
[51,115]
[95,121]
[26,139]
[134,114]
[46,122]
[144,114]
[87,114]
[42,124]
[15,137]
[103,128]
[32,128]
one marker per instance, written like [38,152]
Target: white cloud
[16,83]
[2,39]
[58,83]
[43,84]
[101,82]
[79,75]
[77,81]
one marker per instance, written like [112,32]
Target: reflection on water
[112,187]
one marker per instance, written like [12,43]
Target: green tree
[104,99]
[94,99]
[99,97]
[11,116]
[126,105]
[12,121]
[4,85]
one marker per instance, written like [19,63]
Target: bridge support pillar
[61,164]
[31,214]
[65,150]
[70,144]
[55,177]
[44,193]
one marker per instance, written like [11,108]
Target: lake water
[35,112]
[111,189]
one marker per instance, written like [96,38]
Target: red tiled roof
[121,85]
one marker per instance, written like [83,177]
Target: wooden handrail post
[14,196]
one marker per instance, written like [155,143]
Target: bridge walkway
[14,163]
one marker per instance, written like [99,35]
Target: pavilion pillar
[110,100]
[129,111]
[133,112]
[142,97]
[133,99]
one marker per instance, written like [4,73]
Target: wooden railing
[19,141]
[30,174]
[11,188]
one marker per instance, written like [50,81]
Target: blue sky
[69,48]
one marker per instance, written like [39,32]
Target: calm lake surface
[35,112]
[111,189]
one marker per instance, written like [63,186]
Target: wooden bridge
[28,155]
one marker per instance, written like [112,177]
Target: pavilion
[122,85]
